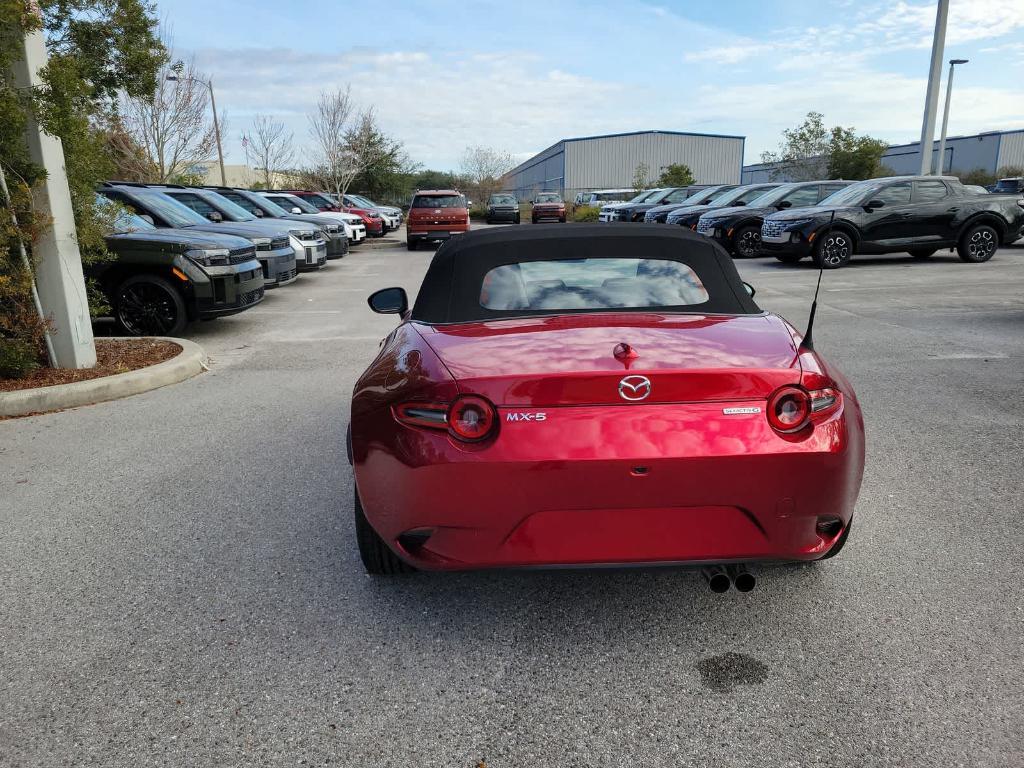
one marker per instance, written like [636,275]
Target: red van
[435,215]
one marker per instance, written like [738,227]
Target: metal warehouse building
[610,162]
[990,151]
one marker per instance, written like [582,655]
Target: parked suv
[637,211]
[738,228]
[503,206]
[391,215]
[689,215]
[1011,186]
[610,211]
[309,243]
[355,229]
[371,218]
[262,208]
[913,214]
[162,279]
[703,196]
[435,215]
[275,253]
[548,205]
[600,197]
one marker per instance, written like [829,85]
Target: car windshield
[255,203]
[125,220]
[320,202]
[574,284]
[365,202]
[1007,185]
[174,213]
[293,201]
[850,195]
[439,201]
[740,196]
[772,196]
[548,198]
[503,200]
[676,196]
[231,210]
[644,195]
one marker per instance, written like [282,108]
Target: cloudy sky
[518,76]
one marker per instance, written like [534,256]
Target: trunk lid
[583,359]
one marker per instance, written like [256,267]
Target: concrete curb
[189,362]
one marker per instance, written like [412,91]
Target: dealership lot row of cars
[196,253]
[832,220]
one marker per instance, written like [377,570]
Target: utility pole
[945,114]
[216,125]
[58,263]
[931,99]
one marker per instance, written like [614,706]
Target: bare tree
[327,127]
[171,128]
[484,169]
[272,146]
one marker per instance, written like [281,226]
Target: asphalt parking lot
[179,582]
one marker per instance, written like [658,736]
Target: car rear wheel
[147,305]
[789,258]
[978,244]
[923,253]
[833,250]
[411,245]
[562,220]
[377,556]
[747,242]
[516,220]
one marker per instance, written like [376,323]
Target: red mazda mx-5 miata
[586,396]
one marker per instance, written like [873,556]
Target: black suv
[702,196]
[1011,186]
[502,206]
[262,208]
[913,214]
[738,228]
[162,279]
[689,215]
[275,253]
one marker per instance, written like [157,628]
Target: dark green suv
[162,279]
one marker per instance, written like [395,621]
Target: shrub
[18,358]
[478,212]
[586,213]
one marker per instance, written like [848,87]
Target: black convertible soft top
[450,292]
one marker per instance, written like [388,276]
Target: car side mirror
[215,217]
[784,204]
[296,209]
[873,204]
[751,292]
[258,213]
[389,301]
[146,217]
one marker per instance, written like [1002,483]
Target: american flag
[245,141]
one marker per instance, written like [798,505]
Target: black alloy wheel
[978,244]
[147,305]
[747,242]
[833,250]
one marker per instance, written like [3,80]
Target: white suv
[355,229]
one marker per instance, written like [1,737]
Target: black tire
[516,220]
[833,250]
[562,220]
[789,258]
[746,242]
[978,244]
[377,556]
[488,221]
[923,253]
[147,305]
[411,244]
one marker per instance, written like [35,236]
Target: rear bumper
[419,233]
[649,484]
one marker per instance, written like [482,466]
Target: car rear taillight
[790,409]
[469,418]
[472,418]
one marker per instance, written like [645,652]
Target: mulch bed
[113,356]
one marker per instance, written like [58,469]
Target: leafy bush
[18,358]
[586,213]
[478,212]
[978,176]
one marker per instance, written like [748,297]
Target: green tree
[853,157]
[641,178]
[802,153]
[97,49]
[676,175]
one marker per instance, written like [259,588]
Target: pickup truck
[913,214]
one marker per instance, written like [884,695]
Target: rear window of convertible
[603,283]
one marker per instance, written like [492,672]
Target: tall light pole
[931,99]
[216,126]
[945,114]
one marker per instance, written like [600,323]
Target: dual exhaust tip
[720,579]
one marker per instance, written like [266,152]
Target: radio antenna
[808,340]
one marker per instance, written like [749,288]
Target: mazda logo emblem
[634,387]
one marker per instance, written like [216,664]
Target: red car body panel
[374,223]
[575,474]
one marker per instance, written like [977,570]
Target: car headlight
[210,257]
